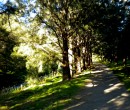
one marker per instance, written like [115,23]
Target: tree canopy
[39,38]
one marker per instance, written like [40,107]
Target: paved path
[106,93]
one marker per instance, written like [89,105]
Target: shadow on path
[105,93]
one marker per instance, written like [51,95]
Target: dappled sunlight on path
[105,92]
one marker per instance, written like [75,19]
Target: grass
[121,71]
[52,96]
[52,93]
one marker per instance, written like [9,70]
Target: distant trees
[65,31]
[82,27]
[12,68]
[61,17]
[110,21]
[7,8]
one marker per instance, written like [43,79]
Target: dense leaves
[12,68]
[61,34]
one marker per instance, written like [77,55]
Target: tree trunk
[70,55]
[89,50]
[65,66]
[78,60]
[84,61]
[84,53]
[89,55]
[75,61]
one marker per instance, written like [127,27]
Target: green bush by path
[122,72]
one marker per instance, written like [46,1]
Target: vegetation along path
[105,92]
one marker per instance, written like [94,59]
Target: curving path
[105,93]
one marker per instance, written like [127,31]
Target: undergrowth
[121,71]
[51,95]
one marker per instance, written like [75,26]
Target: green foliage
[7,8]
[42,65]
[121,71]
[50,65]
[112,26]
[48,97]
[12,68]
[101,25]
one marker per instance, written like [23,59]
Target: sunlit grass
[121,71]
[53,94]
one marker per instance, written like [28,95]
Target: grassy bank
[121,71]
[52,95]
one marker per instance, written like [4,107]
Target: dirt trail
[106,93]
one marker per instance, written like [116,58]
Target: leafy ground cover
[52,95]
[122,72]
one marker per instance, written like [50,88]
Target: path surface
[106,93]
